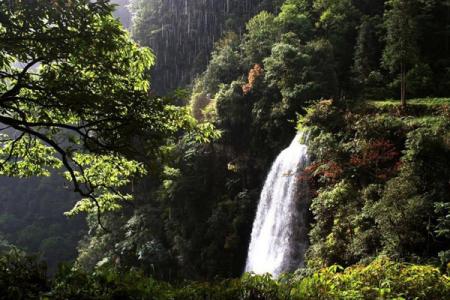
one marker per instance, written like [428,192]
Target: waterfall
[279,237]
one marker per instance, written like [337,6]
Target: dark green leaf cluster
[381,182]
[22,277]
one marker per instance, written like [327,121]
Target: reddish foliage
[333,170]
[329,169]
[254,73]
[311,168]
[376,152]
[379,155]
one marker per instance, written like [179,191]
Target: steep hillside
[32,219]
[182,33]
[257,85]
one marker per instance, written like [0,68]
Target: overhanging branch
[65,158]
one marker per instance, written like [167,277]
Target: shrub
[381,279]
[21,277]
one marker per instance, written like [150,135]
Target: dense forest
[167,131]
[183,33]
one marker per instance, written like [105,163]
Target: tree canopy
[73,94]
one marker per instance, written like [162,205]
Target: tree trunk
[403,86]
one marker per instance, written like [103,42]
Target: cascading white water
[279,237]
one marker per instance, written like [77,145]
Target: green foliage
[21,277]
[381,279]
[381,182]
[330,238]
[74,94]
[107,173]
[233,110]
[442,209]
[32,218]
[79,91]
[424,102]
[296,16]
[402,216]
[301,73]
[183,33]
[402,50]
[104,283]
[366,58]
[33,158]
[401,41]
[256,85]
[261,34]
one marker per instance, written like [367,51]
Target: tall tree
[73,94]
[401,51]
[367,55]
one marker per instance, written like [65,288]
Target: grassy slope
[419,112]
[412,102]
